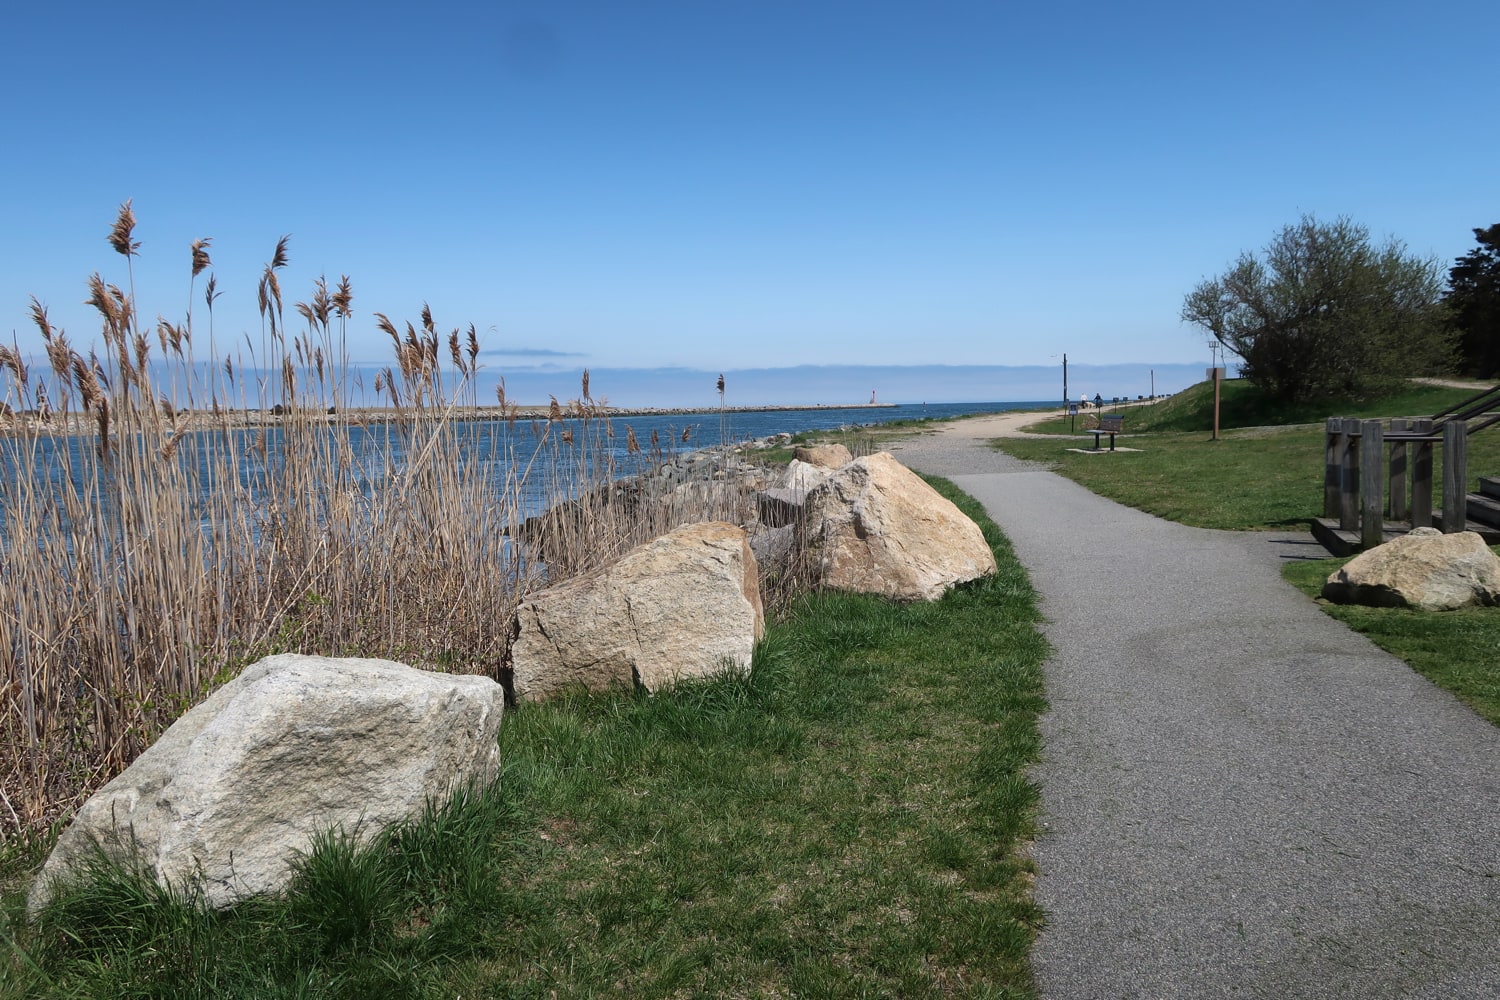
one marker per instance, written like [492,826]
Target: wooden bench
[1111,424]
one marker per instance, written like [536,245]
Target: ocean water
[492,450]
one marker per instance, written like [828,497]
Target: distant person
[1098,401]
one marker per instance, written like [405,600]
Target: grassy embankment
[1266,472]
[844,821]
[848,820]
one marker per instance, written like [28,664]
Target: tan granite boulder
[293,747]
[876,527]
[1425,569]
[684,605]
[827,456]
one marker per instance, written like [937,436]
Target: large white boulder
[684,605]
[1425,569]
[293,747]
[876,527]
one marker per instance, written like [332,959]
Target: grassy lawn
[1456,650]
[848,820]
[1253,478]
[1242,405]
[1247,480]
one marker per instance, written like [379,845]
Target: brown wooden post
[1455,476]
[1398,473]
[1333,456]
[1371,503]
[1349,477]
[1421,478]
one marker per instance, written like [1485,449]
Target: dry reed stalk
[167,544]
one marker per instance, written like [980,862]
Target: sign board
[1072,409]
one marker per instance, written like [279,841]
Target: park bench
[1111,424]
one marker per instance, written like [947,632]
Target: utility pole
[1065,380]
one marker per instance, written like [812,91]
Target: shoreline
[75,422]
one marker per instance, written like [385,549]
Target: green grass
[1253,478]
[1243,405]
[1456,650]
[1248,480]
[848,820]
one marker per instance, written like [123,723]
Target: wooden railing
[1358,467]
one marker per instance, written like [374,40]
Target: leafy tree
[1322,311]
[1474,297]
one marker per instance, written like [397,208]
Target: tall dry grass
[167,518]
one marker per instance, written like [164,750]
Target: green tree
[1322,311]
[1474,297]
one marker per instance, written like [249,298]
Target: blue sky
[727,185]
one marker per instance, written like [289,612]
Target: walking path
[1240,797]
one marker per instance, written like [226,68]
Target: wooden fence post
[1421,478]
[1333,456]
[1398,472]
[1455,476]
[1349,478]
[1371,501]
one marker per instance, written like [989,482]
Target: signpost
[1217,374]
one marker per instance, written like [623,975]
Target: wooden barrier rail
[1357,470]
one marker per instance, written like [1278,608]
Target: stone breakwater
[74,423]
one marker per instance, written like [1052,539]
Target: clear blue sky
[724,184]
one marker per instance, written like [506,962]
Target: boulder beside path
[684,605]
[295,746]
[876,527]
[1425,569]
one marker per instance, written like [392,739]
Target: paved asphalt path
[1240,797]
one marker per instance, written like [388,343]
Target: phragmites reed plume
[11,358]
[586,384]
[343,298]
[383,322]
[201,261]
[121,232]
[108,300]
[632,446]
[686,431]
[567,436]
[554,410]
[500,392]
[455,351]
[473,347]
[322,303]
[101,417]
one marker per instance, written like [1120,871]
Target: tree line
[1322,310]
